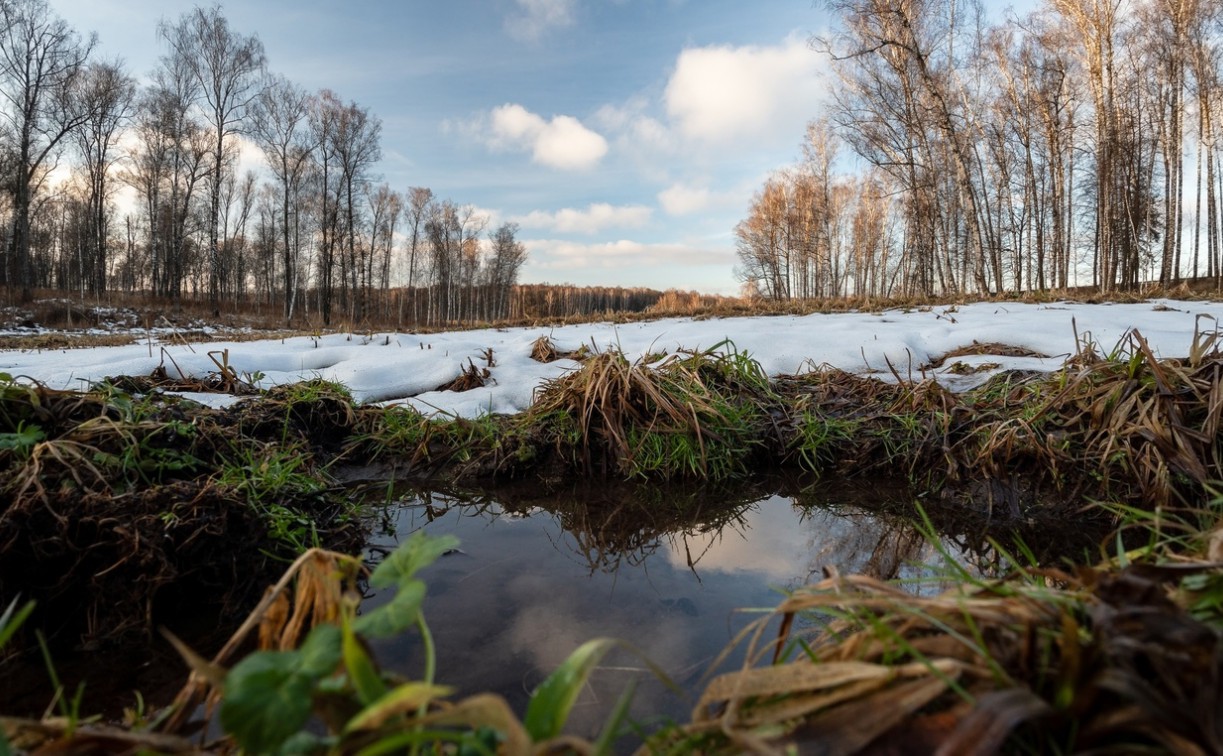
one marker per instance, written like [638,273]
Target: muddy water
[669,571]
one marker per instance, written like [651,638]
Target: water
[670,571]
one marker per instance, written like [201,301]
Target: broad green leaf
[552,701]
[413,555]
[267,700]
[320,653]
[404,699]
[269,694]
[395,616]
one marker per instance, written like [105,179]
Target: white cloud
[513,124]
[534,18]
[722,94]
[568,145]
[634,126]
[562,143]
[682,199]
[595,218]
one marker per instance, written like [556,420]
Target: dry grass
[685,414]
[1091,660]
[544,349]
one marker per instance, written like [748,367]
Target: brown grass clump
[470,377]
[1091,661]
[689,414]
[544,349]
[1121,424]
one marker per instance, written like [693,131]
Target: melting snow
[390,367]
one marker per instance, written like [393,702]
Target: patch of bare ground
[119,506]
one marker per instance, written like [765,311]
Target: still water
[675,573]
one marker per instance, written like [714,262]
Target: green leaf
[552,701]
[361,670]
[395,616]
[25,437]
[12,619]
[413,555]
[320,653]
[267,700]
[269,694]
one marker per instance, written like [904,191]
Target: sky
[409,368]
[625,137]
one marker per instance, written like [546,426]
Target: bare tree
[386,210]
[41,59]
[168,162]
[228,67]
[419,209]
[108,95]
[907,108]
[357,147]
[281,127]
[506,259]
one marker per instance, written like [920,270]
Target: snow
[408,368]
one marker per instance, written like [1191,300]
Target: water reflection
[667,569]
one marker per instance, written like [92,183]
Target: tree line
[1075,145]
[319,232]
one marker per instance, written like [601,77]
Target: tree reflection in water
[667,568]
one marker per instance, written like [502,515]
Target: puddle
[667,570]
[675,571]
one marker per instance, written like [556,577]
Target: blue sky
[626,137]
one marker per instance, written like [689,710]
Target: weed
[267,474]
[819,439]
[399,431]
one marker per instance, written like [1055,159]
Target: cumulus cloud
[595,218]
[720,94]
[562,143]
[682,199]
[534,18]
[634,125]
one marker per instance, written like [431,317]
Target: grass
[143,493]
[690,414]
[1122,656]
[112,498]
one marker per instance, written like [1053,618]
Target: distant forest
[1075,145]
[958,153]
[320,233]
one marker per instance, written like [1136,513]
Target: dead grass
[544,349]
[692,414]
[1105,659]
[470,377]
